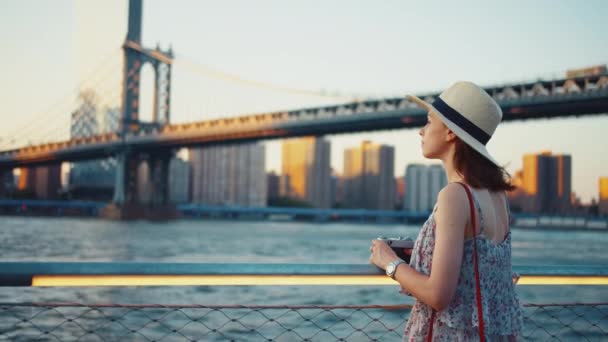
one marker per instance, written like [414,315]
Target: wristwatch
[392,267]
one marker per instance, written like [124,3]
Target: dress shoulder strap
[475,208]
[508,206]
[479,212]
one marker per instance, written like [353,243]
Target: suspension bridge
[133,140]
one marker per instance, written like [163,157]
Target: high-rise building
[334,189]
[529,174]
[307,170]
[273,182]
[89,120]
[353,183]
[48,181]
[284,186]
[422,185]
[369,177]
[229,175]
[517,197]
[399,191]
[417,198]
[564,183]
[547,182]
[437,180]
[603,196]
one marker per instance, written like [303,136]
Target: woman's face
[434,137]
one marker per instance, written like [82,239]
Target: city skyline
[350,50]
[219,175]
[295,179]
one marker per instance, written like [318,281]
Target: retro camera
[399,245]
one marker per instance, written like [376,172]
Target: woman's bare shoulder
[452,209]
[452,199]
[451,192]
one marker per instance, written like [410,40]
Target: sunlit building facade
[603,196]
[369,177]
[306,170]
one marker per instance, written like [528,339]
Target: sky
[240,57]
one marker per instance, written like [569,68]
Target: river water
[206,241]
[209,241]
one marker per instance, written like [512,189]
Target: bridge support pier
[6,175]
[127,204]
[159,179]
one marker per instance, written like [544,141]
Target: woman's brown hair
[478,171]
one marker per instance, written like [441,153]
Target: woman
[470,221]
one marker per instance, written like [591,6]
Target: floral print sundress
[458,322]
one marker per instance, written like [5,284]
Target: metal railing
[193,274]
[117,322]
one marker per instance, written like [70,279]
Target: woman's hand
[382,254]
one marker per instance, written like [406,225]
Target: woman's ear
[450,136]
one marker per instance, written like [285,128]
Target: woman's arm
[436,290]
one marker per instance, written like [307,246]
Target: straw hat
[469,112]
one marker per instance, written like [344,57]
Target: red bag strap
[475,258]
[429,337]
[477,282]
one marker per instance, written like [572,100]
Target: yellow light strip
[189,280]
[251,280]
[563,280]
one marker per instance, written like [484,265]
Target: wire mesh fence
[116,322]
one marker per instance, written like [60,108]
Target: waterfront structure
[229,175]
[422,185]
[307,171]
[40,182]
[369,177]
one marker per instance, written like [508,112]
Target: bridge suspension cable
[207,71]
[46,124]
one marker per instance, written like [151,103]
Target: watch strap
[394,265]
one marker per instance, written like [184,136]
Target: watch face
[390,269]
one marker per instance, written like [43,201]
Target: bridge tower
[127,202]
